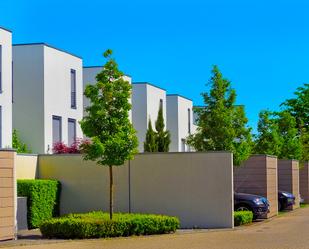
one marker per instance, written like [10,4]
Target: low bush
[42,199]
[242,217]
[98,225]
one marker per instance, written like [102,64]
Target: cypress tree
[150,144]
[163,137]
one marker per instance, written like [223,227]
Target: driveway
[289,231]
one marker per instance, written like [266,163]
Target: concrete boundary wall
[304,182]
[7,195]
[288,179]
[27,166]
[258,175]
[196,187]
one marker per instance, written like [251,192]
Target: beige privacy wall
[7,195]
[304,182]
[26,166]
[288,178]
[196,187]
[258,175]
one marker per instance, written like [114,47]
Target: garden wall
[288,179]
[258,175]
[26,166]
[7,195]
[196,187]
[304,182]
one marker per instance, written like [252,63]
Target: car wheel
[243,208]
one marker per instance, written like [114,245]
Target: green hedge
[242,217]
[98,225]
[42,199]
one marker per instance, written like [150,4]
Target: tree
[150,144]
[107,124]
[221,124]
[163,137]
[268,141]
[291,147]
[17,144]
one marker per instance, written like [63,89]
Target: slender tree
[163,137]
[221,124]
[112,137]
[150,144]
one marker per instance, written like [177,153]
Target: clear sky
[261,46]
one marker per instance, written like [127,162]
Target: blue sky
[261,46]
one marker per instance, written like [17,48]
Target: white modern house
[5,88]
[179,121]
[47,95]
[89,77]
[146,101]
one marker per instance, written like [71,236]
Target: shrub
[74,148]
[42,199]
[242,217]
[98,225]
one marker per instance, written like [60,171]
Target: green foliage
[42,199]
[222,126]
[98,225]
[107,124]
[17,144]
[242,217]
[163,137]
[268,141]
[278,136]
[150,144]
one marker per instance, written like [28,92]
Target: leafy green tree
[163,137]
[112,137]
[150,144]
[291,147]
[268,140]
[221,124]
[17,144]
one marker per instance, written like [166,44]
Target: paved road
[289,231]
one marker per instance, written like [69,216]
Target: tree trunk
[111,192]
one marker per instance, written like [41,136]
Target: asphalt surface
[288,231]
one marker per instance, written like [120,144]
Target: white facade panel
[6,89]
[42,88]
[179,122]
[145,104]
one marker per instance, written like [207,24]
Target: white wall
[28,104]
[145,105]
[89,77]
[57,92]
[42,88]
[6,94]
[177,121]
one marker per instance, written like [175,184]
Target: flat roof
[147,83]
[5,29]
[179,95]
[47,45]
[102,67]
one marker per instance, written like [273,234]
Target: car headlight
[285,194]
[258,201]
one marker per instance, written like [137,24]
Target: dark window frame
[72,120]
[189,120]
[59,118]
[73,88]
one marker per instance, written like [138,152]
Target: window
[161,104]
[0,126]
[0,68]
[189,120]
[73,88]
[71,131]
[57,129]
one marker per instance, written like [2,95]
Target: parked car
[285,200]
[259,205]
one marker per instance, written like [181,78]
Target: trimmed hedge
[242,217]
[42,199]
[98,225]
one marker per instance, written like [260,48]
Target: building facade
[47,96]
[5,88]
[146,101]
[179,121]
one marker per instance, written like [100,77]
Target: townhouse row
[41,96]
